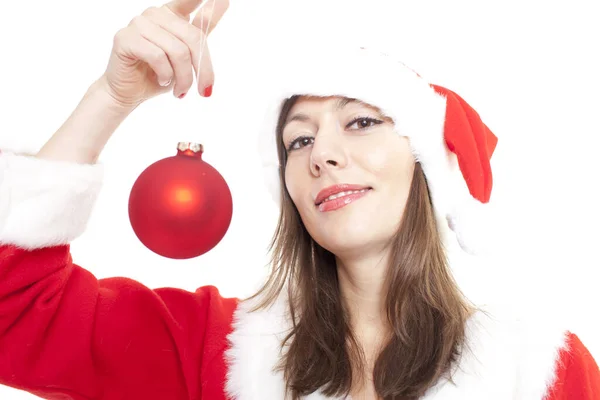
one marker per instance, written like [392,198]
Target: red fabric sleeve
[66,335]
[577,375]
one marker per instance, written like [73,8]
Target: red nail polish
[182,95]
[208,91]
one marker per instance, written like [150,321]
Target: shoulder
[526,355]
[577,373]
[205,301]
[212,316]
[575,354]
[220,310]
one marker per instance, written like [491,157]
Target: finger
[151,54]
[210,14]
[206,19]
[177,51]
[206,74]
[183,8]
[195,40]
[192,36]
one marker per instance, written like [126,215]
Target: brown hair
[426,311]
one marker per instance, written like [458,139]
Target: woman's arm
[85,133]
[65,333]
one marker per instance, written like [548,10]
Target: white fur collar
[510,358]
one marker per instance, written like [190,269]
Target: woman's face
[348,172]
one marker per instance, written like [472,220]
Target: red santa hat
[447,136]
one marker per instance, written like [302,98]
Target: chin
[342,237]
[358,227]
[341,247]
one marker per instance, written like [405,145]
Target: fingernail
[208,91]
[165,84]
[182,95]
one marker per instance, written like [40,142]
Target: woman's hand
[160,50]
[159,46]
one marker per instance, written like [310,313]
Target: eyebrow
[340,104]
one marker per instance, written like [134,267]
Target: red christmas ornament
[180,207]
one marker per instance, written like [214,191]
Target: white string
[192,135]
[212,12]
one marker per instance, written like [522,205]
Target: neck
[361,280]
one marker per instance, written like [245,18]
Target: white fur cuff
[45,203]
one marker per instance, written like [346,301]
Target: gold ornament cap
[190,146]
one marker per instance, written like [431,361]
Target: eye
[364,122]
[300,142]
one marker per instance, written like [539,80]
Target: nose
[328,150]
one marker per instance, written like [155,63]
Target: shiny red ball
[180,207]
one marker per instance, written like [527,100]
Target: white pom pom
[473,223]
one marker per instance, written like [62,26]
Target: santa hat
[447,136]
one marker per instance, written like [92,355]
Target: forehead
[333,103]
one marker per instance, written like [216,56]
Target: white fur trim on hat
[418,112]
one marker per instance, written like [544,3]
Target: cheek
[288,176]
[390,161]
[391,164]
[293,181]
[378,159]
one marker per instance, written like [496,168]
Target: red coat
[65,334]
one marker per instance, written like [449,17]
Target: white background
[529,68]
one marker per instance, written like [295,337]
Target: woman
[361,298]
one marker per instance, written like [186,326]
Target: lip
[331,190]
[340,202]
